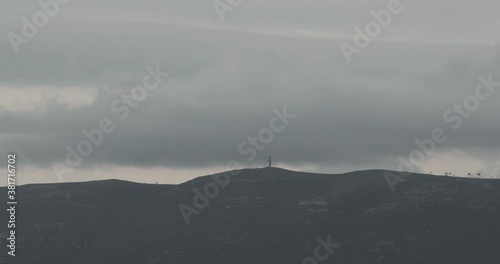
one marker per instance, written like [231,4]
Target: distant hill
[262,216]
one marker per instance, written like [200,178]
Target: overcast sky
[226,77]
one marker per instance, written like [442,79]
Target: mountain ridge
[367,171]
[261,216]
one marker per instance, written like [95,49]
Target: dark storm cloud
[223,85]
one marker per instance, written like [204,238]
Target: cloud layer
[225,79]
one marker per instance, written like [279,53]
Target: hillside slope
[262,216]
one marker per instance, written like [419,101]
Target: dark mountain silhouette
[266,215]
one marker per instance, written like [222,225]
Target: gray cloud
[227,77]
